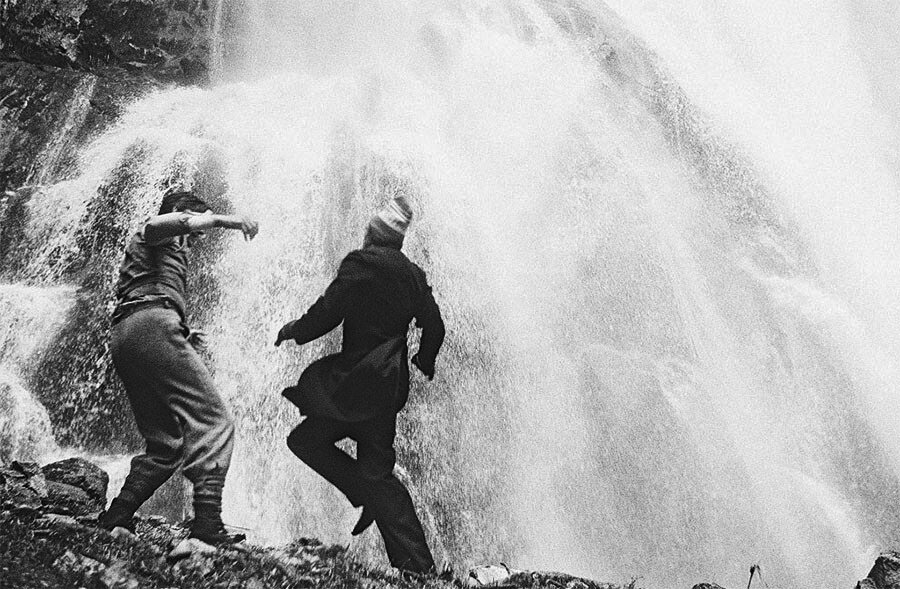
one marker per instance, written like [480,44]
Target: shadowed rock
[80,473]
[164,38]
[885,574]
[69,500]
[70,487]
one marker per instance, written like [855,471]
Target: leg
[208,431]
[313,442]
[392,506]
[134,341]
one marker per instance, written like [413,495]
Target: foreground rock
[61,551]
[69,487]
[503,576]
[49,539]
[78,472]
[885,574]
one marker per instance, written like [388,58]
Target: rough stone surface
[70,500]
[885,574]
[25,488]
[79,473]
[15,492]
[46,114]
[78,565]
[117,576]
[168,39]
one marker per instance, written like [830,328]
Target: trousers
[176,406]
[367,480]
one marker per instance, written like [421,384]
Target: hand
[197,338]
[245,224]
[282,336]
[426,370]
[248,227]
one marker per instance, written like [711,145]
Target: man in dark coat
[175,403]
[358,392]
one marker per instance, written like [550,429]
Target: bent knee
[302,444]
[296,441]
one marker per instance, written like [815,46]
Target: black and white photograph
[449,294]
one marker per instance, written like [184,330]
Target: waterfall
[663,239]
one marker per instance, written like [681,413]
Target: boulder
[70,500]
[885,574]
[15,492]
[34,477]
[490,574]
[117,576]
[707,586]
[78,565]
[25,487]
[80,473]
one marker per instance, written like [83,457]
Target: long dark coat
[376,293]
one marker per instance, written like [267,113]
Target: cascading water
[661,238]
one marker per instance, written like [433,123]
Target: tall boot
[144,478]
[207,525]
[120,513]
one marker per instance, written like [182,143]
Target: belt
[127,308]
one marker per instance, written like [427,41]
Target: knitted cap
[392,221]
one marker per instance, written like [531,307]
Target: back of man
[358,392]
[386,295]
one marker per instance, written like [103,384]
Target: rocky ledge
[48,539]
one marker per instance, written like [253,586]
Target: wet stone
[80,473]
[885,574]
[117,576]
[78,565]
[69,500]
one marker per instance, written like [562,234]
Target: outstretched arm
[162,227]
[325,314]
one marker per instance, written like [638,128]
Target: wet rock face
[44,31]
[46,113]
[166,38]
[33,103]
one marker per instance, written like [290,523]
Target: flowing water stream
[664,239]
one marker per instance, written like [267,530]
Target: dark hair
[182,201]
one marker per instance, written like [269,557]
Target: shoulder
[357,264]
[357,258]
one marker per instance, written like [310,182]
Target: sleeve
[429,320]
[328,311]
[159,229]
